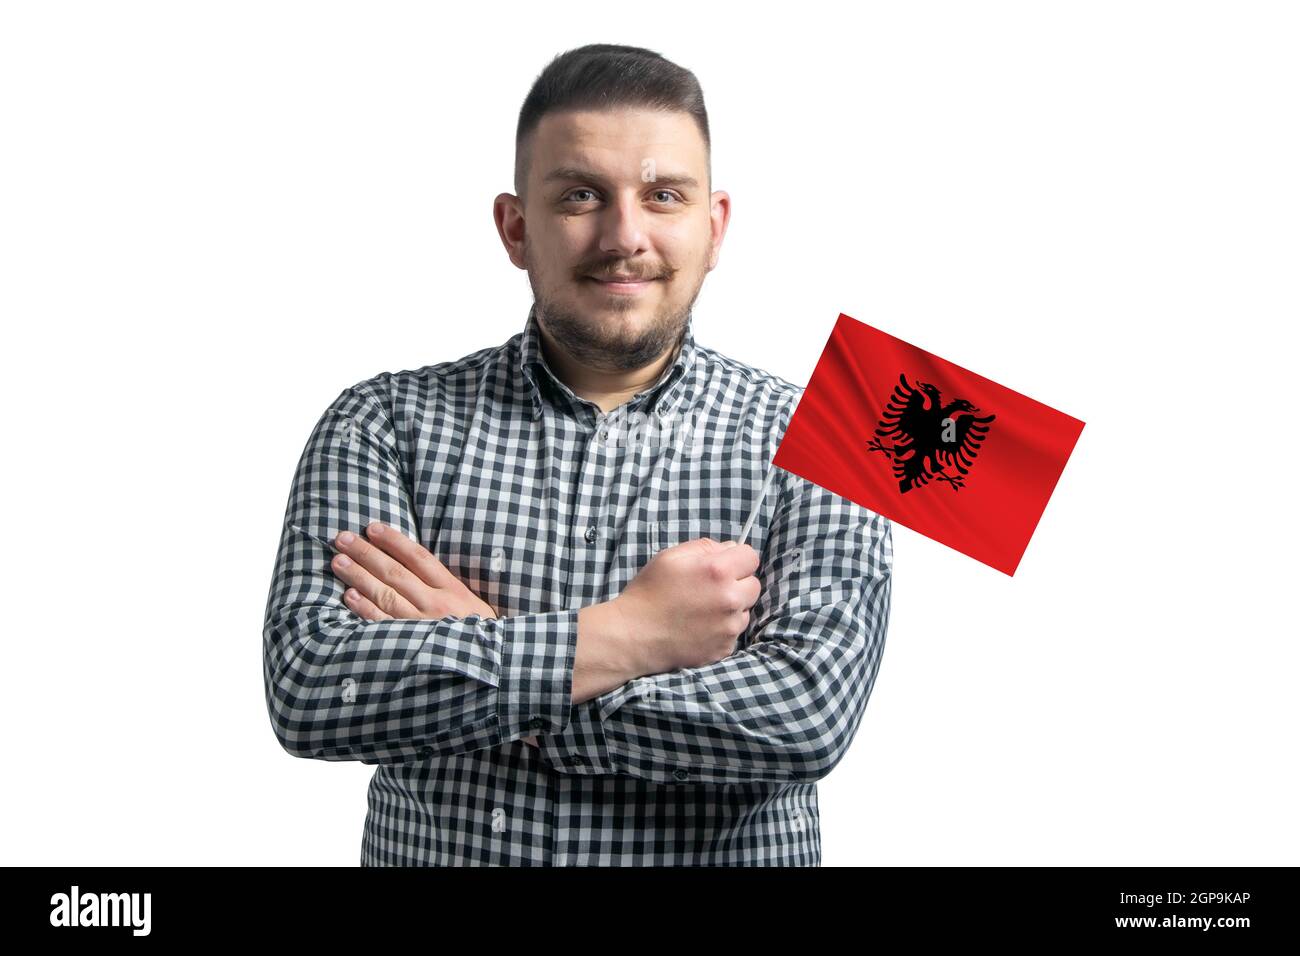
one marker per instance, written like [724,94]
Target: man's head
[613,179]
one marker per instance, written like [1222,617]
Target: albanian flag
[948,453]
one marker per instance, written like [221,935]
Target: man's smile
[621,286]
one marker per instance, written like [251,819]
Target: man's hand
[391,576]
[689,605]
[686,608]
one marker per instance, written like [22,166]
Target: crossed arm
[347,680]
[388,576]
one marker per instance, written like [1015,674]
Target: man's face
[609,194]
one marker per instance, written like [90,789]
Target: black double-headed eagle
[927,436]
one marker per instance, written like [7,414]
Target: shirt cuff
[537,654]
[580,747]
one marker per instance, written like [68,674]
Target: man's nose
[623,227]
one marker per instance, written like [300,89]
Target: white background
[214,217]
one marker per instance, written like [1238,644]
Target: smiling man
[513,581]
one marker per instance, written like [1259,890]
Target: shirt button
[680,774]
[590,536]
[602,435]
[536,723]
[426,752]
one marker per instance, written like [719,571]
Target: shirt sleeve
[340,687]
[788,702]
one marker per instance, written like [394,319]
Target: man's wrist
[607,655]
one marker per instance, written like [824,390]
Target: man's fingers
[348,565]
[382,568]
[411,554]
[363,606]
[741,558]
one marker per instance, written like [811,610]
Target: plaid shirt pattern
[543,504]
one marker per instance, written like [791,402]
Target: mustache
[612,272]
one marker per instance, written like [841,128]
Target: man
[512,582]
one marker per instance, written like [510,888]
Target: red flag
[929,444]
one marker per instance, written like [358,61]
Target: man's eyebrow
[566,173]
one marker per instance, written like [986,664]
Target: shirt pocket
[643,539]
[674,531]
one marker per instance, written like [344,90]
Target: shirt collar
[660,398]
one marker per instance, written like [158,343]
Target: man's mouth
[622,284]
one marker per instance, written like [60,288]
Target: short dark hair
[607,76]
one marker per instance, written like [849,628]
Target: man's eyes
[572,194]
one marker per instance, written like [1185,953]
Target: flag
[948,453]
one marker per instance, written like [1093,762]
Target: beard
[601,344]
[595,344]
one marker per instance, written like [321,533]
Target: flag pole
[744,532]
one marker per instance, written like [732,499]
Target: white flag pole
[767,480]
[744,532]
